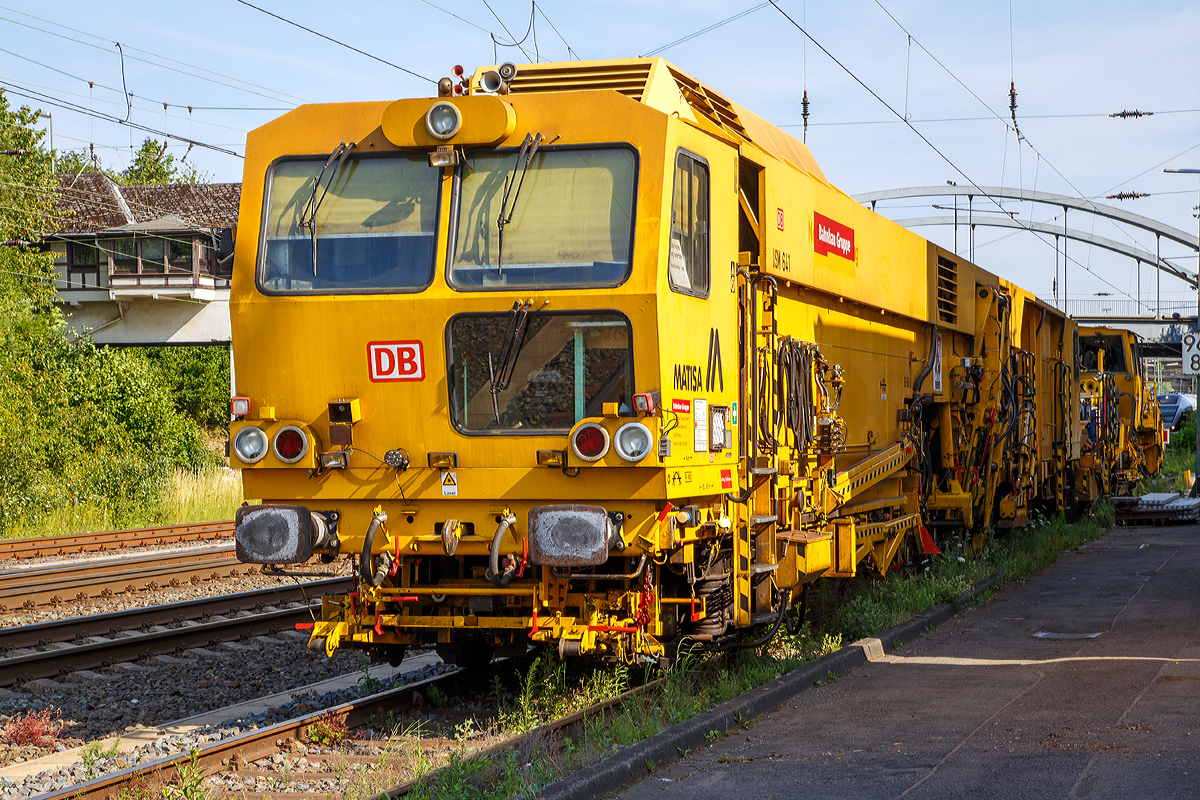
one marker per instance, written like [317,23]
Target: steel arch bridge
[1160,230]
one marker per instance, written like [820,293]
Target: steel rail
[77,628]
[238,752]
[51,585]
[253,745]
[156,641]
[112,540]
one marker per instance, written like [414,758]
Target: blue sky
[1066,58]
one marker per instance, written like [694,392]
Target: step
[764,471]
[762,519]
[756,569]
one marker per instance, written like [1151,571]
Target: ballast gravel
[159,683]
[98,704]
[249,579]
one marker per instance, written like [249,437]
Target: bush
[86,425]
[81,425]
[197,379]
[1184,439]
[37,728]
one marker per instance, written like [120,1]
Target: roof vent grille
[947,290]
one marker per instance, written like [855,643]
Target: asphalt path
[985,707]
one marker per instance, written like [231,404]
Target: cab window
[557,217]
[1111,345]
[512,373]
[687,259]
[372,221]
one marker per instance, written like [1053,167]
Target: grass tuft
[207,494]
[698,681]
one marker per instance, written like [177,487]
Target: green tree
[197,379]
[153,164]
[78,424]
[73,162]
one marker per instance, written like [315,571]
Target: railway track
[112,540]
[30,587]
[103,639]
[240,756]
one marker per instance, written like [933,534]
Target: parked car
[1176,409]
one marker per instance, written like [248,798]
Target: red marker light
[590,442]
[290,445]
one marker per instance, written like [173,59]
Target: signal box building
[140,265]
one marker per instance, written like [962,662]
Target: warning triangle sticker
[448,479]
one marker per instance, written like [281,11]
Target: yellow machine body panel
[604,360]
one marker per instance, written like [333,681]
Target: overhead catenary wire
[188,106]
[512,39]
[151,63]
[703,31]
[31,94]
[65,92]
[154,55]
[978,119]
[570,52]
[337,42]
[911,127]
[1020,137]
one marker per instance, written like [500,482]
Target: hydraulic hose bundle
[793,392]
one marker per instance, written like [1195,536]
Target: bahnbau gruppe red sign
[832,237]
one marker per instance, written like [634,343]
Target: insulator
[1135,113]
[1127,195]
[804,113]
[1012,107]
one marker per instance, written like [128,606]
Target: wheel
[391,654]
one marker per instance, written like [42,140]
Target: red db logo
[726,479]
[396,361]
[779,218]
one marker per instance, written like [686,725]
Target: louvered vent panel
[726,113]
[947,290]
[629,80]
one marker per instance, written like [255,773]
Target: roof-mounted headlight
[443,120]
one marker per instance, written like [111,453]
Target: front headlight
[250,444]
[443,120]
[633,441]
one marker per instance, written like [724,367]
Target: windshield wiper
[514,340]
[528,150]
[308,217]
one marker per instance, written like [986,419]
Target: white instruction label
[700,416]
[449,484]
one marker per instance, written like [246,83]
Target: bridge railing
[1115,307]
